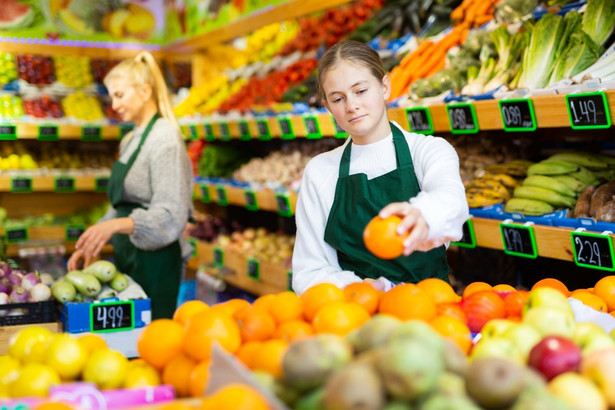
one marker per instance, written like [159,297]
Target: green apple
[497,347]
[550,321]
[547,297]
[599,366]
[577,391]
[586,330]
[596,342]
[524,337]
[495,327]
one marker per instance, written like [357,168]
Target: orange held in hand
[381,238]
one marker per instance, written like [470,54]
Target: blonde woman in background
[150,188]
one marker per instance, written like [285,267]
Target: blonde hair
[143,70]
[353,51]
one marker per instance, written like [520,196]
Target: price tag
[8,132]
[244,131]
[287,129]
[205,197]
[592,250]
[518,115]
[420,120]
[312,128]
[222,198]
[251,203]
[218,257]
[283,203]
[92,134]
[100,184]
[192,242]
[112,316]
[64,184]
[17,234]
[254,269]
[194,133]
[209,133]
[468,240]
[48,133]
[519,240]
[462,118]
[125,129]
[339,131]
[263,130]
[73,232]
[588,111]
[21,185]
[225,133]
[289,281]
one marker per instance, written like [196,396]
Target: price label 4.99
[462,118]
[592,250]
[419,120]
[588,111]
[112,316]
[518,115]
[519,240]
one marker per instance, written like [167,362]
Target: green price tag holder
[72,232]
[254,269]
[225,131]
[48,133]
[218,257]
[286,128]
[21,185]
[91,134]
[209,132]
[125,129]
[251,201]
[64,185]
[462,118]
[312,127]
[419,120]
[17,234]
[192,242]
[289,280]
[205,196]
[468,240]
[283,205]
[100,184]
[588,111]
[194,132]
[339,131]
[592,250]
[107,317]
[244,131]
[221,195]
[519,240]
[8,132]
[264,134]
[518,115]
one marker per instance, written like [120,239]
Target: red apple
[555,355]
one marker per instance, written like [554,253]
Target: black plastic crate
[13,314]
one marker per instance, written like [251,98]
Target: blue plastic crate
[75,317]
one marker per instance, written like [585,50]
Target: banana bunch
[490,188]
[556,182]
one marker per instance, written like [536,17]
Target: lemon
[107,368]
[66,356]
[92,342]
[29,345]
[34,379]
[9,370]
[141,374]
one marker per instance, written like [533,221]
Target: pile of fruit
[495,183]
[276,248]
[207,227]
[35,69]
[8,68]
[82,106]
[19,286]
[11,106]
[73,71]
[100,68]
[43,107]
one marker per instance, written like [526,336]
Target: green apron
[158,272]
[357,200]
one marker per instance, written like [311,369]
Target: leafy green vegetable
[512,11]
[580,52]
[221,160]
[598,19]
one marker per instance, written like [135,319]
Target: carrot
[436,69]
[418,51]
[482,19]
[481,9]
[429,65]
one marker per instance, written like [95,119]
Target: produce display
[35,69]
[43,107]
[221,160]
[84,217]
[207,228]
[19,286]
[73,71]
[276,248]
[100,68]
[8,68]
[11,106]
[82,106]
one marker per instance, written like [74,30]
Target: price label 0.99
[286,127]
[92,134]
[420,120]
[462,118]
[263,130]
[225,133]
[468,240]
[218,257]
[254,269]
[311,127]
[283,204]
[519,240]
[73,232]
[48,133]
[244,131]
[593,250]
[518,115]
[64,185]
[8,132]
[588,111]
[21,185]
[112,316]
[251,202]
[16,234]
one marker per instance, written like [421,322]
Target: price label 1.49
[588,110]
[518,114]
[468,240]
[420,120]
[112,316]
[593,250]
[519,240]
[462,118]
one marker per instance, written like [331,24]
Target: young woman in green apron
[150,188]
[380,170]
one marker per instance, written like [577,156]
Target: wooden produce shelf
[285,11]
[25,130]
[47,183]
[271,279]
[265,199]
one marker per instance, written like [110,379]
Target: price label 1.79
[263,130]
[112,316]
[91,134]
[468,240]
[286,127]
[218,257]
[283,204]
[17,234]
[73,232]
[251,202]
[311,127]
[518,115]
[588,111]
[462,118]
[254,269]
[592,250]
[64,184]
[244,131]
[21,185]
[48,133]
[519,240]
[420,120]
[8,132]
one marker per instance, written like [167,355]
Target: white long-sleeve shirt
[441,201]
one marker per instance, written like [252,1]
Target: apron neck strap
[402,152]
[146,132]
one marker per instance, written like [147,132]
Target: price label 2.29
[592,250]
[588,110]
[112,316]
[518,115]
[468,240]
[462,118]
[419,120]
[519,240]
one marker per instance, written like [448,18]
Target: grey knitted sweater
[161,180]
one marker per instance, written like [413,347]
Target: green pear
[373,333]
[355,386]
[494,382]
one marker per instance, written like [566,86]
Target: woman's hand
[91,242]
[412,221]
